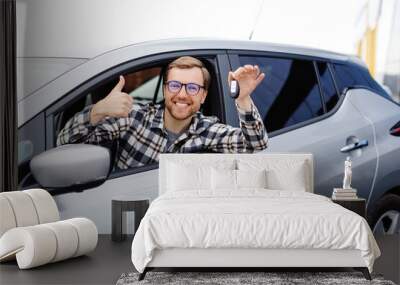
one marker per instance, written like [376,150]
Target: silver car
[311,101]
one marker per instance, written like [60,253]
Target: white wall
[85,28]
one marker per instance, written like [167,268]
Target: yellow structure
[366,48]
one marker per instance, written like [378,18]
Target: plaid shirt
[142,136]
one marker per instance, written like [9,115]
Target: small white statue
[347,174]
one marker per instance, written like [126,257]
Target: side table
[355,205]
[123,204]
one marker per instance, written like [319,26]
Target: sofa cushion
[7,220]
[26,208]
[67,239]
[40,244]
[33,244]
[23,208]
[45,206]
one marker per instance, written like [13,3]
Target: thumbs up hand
[116,104]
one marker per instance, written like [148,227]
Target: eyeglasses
[175,87]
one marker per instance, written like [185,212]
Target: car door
[143,82]
[302,112]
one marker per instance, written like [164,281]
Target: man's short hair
[186,62]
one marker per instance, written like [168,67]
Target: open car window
[145,85]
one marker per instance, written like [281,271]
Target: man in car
[145,131]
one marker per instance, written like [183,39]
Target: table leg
[116,221]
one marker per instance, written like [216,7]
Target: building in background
[392,65]
[378,43]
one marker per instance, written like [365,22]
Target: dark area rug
[228,278]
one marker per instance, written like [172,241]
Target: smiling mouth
[181,105]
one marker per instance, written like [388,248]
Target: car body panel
[383,114]
[95,203]
[324,139]
[33,73]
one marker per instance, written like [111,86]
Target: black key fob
[234,89]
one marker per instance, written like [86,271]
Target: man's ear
[203,98]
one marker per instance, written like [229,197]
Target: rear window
[350,75]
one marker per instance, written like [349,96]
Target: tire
[385,217]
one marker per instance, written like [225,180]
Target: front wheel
[386,216]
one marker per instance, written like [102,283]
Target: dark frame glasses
[175,87]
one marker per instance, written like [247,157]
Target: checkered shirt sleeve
[79,129]
[250,137]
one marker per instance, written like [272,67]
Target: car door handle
[353,146]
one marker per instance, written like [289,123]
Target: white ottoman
[31,232]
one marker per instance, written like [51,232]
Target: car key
[234,89]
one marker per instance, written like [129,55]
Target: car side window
[289,94]
[350,75]
[143,85]
[328,87]
[347,76]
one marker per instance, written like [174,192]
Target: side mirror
[72,167]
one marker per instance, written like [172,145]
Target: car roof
[166,45]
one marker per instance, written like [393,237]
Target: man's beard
[180,116]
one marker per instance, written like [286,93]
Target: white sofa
[167,238]
[31,233]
